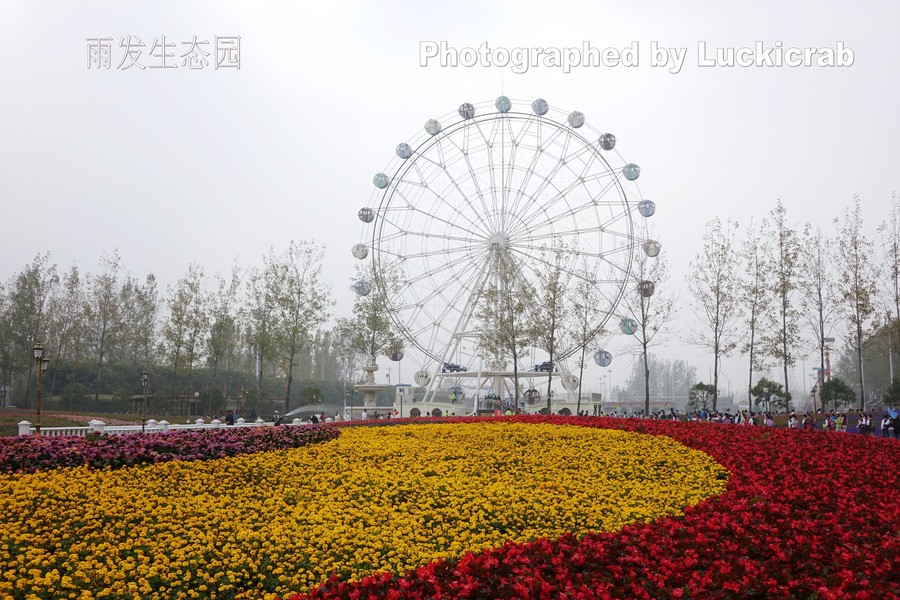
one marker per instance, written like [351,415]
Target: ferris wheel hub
[499,240]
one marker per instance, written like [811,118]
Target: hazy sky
[216,165]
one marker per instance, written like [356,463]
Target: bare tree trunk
[646,384]
[290,380]
[862,388]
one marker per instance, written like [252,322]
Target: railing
[152,426]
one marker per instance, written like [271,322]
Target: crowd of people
[865,423]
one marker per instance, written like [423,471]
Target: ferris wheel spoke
[455,184]
[563,194]
[508,175]
[417,208]
[489,142]
[448,252]
[401,233]
[460,287]
[475,224]
[515,206]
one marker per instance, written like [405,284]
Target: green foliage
[701,396]
[837,393]
[892,395]
[75,396]
[774,392]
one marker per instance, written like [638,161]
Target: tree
[301,302]
[25,319]
[668,378]
[653,303]
[772,394]
[713,282]
[584,327]
[140,339]
[816,286]
[784,265]
[259,312]
[892,395]
[548,322]
[701,396]
[503,310]
[756,299]
[856,291]
[372,332]
[223,335]
[104,323]
[889,233]
[66,326]
[837,393]
[187,323]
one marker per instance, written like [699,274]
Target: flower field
[517,507]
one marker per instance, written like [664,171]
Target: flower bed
[484,508]
[806,515]
[30,454]
[376,498]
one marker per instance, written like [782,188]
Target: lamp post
[766,396]
[41,362]
[145,382]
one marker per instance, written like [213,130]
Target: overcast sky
[215,165]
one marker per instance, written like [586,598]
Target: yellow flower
[385,498]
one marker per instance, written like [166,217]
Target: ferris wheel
[507,183]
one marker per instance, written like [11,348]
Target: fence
[152,426]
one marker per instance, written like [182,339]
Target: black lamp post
[145,382]
[41,362]
[766,396]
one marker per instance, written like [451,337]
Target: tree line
[785,288]
[253,332]
[779,289]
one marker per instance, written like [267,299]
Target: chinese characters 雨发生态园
[224,52]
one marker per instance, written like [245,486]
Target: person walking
[887,428]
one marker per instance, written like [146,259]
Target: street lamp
[766,396]
[41,362]
[145,382]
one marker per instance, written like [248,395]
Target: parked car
[452,368]
[545,367]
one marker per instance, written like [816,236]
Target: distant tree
[186,325]
[756,298]
[104,314]
[785,269]
[892,395]
[223,334]
[837,393]
[856,291]
[652,301]
[772,394]
[713,282]
[25,320]
[351,354]
[668,378]
[140,317]
[889,234]
[701,396]
[66,326]
[816,287]
[258,313]
[301,303]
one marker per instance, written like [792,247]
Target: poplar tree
[856,291]
[713,282]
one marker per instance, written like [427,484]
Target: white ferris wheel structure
[508,183]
